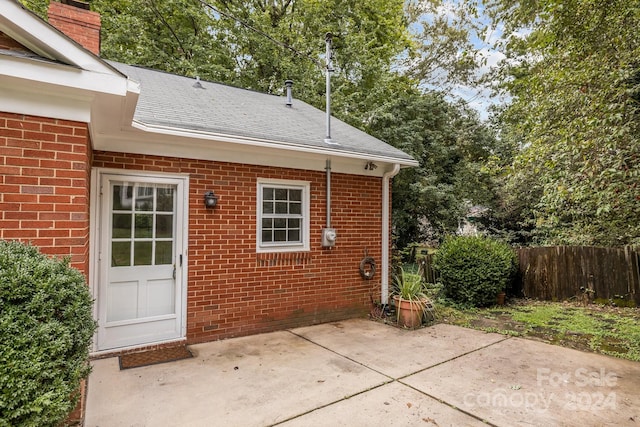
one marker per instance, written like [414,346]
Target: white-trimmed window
[283,216]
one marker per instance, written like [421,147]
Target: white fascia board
[139,142]
[267,144]
[36,72]
[43,39]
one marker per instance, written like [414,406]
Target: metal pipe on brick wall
[328,169]
[386,204]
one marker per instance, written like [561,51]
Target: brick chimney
[74,18]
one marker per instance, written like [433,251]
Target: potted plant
[412,302]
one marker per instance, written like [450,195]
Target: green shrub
[473,270]
[46,327]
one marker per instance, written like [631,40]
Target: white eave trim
[41,88]
[40,72]
[265,143]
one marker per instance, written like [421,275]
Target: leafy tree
[174,36]
[39,7]
[259,44]
[451,145]
[574,76]
[446,54]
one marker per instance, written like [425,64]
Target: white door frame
[96,269]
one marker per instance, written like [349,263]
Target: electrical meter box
[328,237]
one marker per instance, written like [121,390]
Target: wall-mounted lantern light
[210,199]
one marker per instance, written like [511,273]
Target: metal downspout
[386,203]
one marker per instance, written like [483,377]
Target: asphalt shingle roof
[169,100]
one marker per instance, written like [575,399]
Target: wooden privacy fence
[425,263]
[561,272]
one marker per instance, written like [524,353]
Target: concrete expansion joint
[334,402]
[396,380]
[342,355]
[444,402]
[453,358]
[454,407]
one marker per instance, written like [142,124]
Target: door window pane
[121,226]
[142,253]
[164,226]
[122,197]
[164,253]
[165,198]
[144,226]
[144,198]
[120,254]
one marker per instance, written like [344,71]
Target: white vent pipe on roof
[327,38]
[289,84]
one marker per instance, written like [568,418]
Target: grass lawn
[614,331]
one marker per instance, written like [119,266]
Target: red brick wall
[81,25]
[44,185]
[234,291]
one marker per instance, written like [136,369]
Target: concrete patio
[363,373]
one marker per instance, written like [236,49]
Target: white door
[140,290]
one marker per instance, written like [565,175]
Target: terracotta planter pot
[500,298]
[409,312]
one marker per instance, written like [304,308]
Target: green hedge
[473,270]
[46,326]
